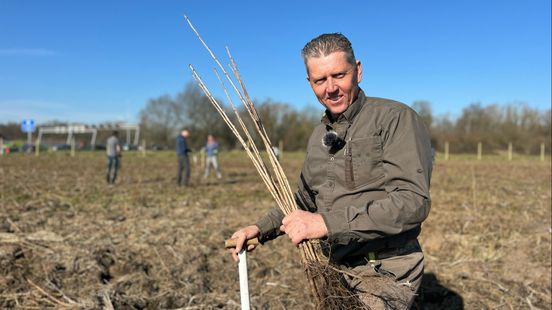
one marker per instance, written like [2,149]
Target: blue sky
[95,61]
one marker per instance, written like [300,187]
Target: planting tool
[244,285]
[232,243]
[242,269]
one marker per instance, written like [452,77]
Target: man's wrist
[320,229]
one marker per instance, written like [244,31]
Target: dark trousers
[112,167]
[183,170]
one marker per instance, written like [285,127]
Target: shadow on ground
[433,296]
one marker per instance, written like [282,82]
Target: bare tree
[200,116]
[423,107]
[494,125]
[160,120]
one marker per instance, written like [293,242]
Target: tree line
[163,117]
[495,126]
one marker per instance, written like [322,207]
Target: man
[364,186]
[183,161]
[113,150]
[211,148]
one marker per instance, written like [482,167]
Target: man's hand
[300,225]
[241,236]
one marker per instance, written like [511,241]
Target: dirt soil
[69,240]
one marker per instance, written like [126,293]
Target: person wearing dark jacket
[364,186]
[182,151]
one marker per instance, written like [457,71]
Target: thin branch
[274,178]
[52,298]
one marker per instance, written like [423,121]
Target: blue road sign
[28,125]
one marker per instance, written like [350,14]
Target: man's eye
[339,75]
[319,82]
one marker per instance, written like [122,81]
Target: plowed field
[69,240]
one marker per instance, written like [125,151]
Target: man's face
[334,81]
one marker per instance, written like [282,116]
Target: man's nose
[331,86]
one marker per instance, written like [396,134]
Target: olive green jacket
[372,190]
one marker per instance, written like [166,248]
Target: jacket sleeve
[407,164]
[269,225]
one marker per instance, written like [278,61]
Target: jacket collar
[349,115]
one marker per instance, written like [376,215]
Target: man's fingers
[239,242]
[234,255]
[295,233]
[286,220]
[239,246]
[294,238]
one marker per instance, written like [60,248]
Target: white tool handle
[244,286]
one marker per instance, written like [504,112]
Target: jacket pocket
[366,156]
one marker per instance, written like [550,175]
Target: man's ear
[359,71]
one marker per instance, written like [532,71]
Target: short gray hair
[326,44]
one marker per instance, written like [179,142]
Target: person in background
[113,150]
[182,150]
[212,151]
[364,186]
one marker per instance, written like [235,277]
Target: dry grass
[488,235]
[69,240]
